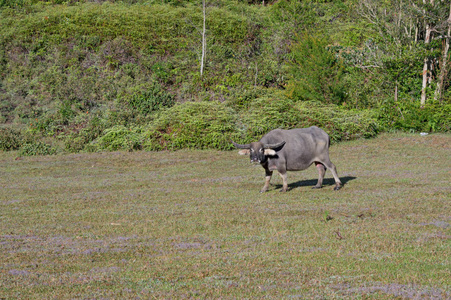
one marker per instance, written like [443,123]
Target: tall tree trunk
[427,39]
[204,42]
[426,73]
[441,77]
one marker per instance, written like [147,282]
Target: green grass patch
[192,223]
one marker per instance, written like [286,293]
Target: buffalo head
[258,151]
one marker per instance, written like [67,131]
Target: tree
[403,24]
[434,15]
[426,75]
[441,78]
[315,73]
[204,41]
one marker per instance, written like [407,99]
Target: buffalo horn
[274,146]
[246,146]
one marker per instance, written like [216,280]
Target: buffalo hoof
[337,187]
[316,187]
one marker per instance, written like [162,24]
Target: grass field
[192,224]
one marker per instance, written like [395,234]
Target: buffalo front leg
[321,170]
[267,180]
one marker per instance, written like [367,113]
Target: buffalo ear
[244,152]
[270,152]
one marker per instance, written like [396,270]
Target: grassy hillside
[104,75]
[192,224]
[92,54]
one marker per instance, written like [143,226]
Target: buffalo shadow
[312,182]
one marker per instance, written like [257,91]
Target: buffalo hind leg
[333,169]
[321,170]
[284,181]
[267,180]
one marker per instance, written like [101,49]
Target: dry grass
[193,224]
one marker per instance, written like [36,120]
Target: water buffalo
[292,150]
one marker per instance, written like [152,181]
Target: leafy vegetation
[74,73]
[197,125]
[265,114]
[10,139]
[119,138]
[410,116]
[36,148]
[315,73]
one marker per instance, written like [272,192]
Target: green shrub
[84,131]
[315,73]
[341,124]
[27,143]
[54,121]
[441,118]
[267,113]
[153,99]
[118,138]
[411,116]
[12,3]
[36,148]
[199,125]
[242,98]
[10,139]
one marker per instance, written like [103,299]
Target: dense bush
[10,139]
[340,123]
[36,148]
[118,138]
[147,101]
[26,142]
[197,125]
[102,128]
[410,116]
[315,73]
[84,130]
[266,113]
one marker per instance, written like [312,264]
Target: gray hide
[292,150]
